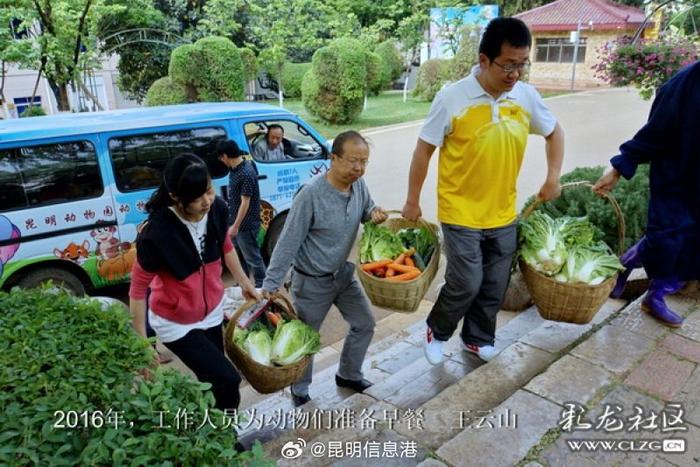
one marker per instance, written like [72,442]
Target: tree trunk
[60,91]
[36,84]
[279,84]
[5,107]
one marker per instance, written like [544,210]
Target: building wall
[558,75]
[19,83]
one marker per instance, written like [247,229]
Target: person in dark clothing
[668,142]
[179,255]
[244,208]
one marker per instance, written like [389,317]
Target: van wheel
[59,277]
[273,235]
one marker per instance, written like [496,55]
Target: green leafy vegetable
[379,243]
[542,245]
[423,240]
[258,345]
[293,340]
[591,265]
[576,231]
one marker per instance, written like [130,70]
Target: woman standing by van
[179,252]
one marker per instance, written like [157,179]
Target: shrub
[467,55]
[632,196]
[292,77]
[432,76]
[164,92]
[374,73]
[33,111]
[211,70]
[334,88]
[250,64]
[60,354]
[644,64]
[392,64]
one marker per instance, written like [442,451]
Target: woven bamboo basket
[264,379]
[570,303]
[402,297]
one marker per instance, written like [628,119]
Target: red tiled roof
[564,15]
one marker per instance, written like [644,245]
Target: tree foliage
[210,70]
[392,63]
[334,88]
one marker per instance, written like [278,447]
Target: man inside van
[272,147]
[244,208]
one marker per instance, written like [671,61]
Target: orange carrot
[379,272]
[406,276]
[409,262]
[400,259]
[402,268]
[273,319]
[410,252]
[390,272]
[369,267]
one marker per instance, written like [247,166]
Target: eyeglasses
[362,163]
[511,67]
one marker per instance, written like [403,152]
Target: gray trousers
[476,279]
[313,297]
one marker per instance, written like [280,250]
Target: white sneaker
[433,348]
[485,352]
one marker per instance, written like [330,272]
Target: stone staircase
[506,412]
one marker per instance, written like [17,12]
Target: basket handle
[277,297]
[608,196]
[420,219]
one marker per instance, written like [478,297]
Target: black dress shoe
[298,401]
[357,386]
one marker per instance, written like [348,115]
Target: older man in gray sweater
[317,238]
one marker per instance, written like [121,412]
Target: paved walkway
[634,381]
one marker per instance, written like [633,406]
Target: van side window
[139,160]
[281,140]
[55,173]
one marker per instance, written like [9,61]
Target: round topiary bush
[432,76]
[631,195]
[164,92]
[392,64]
[334,88]
[77,387]
[211,70]
[292,78]
[374,73]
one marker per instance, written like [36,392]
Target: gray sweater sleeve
[296,228]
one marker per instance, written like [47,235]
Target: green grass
[387,108]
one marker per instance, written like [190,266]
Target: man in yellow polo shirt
[481,125]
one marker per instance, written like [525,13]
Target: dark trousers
[203,353]
[476,279]
[251,258]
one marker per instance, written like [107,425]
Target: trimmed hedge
[374,73]
[392,64]
[432,75]
[334,88]
[210,70]
[72,393]
[164,92]
[632,196]
[250,64]
[292,78]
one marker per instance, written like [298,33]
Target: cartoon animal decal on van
[76,253]
[8,231]
[114,257]
[108,246]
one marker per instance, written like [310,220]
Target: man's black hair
[502,30]
[228,147]
[272,126]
